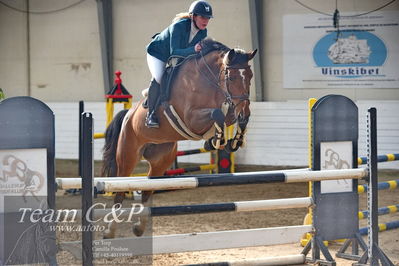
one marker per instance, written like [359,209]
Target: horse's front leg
[238,140]
[139,226]
[218,140]
[127,156]
[160,157]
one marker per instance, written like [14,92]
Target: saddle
[171,70]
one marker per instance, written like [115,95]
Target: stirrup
[145,103]
[151,121]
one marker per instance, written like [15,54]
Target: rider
[181,38]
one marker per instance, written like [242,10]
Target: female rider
[181,38]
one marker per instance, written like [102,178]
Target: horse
[209,92]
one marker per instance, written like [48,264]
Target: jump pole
[391,185]
[76,182]
[238,206]
[381,158]
[230,179]
[280,260]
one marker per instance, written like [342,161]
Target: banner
[23,173]
[364,53]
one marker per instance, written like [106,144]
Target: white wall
[277,132]
[61,61]
[13,51]
[67,127]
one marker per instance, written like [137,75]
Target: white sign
[364,54]
[23,172]
[336,155]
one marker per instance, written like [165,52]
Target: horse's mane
[209,45]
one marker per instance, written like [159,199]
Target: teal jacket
[174,41]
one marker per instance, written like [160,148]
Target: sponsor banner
[336,155]
[364,53]
[23,173]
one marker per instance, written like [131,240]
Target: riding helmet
[201,8]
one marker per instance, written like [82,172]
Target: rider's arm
[178,34]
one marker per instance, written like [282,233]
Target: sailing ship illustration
[349,50]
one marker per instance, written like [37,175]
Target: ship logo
[349,50]
[351,54]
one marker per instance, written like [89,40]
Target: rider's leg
[152,100]
[157,68]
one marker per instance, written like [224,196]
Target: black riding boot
[152,99]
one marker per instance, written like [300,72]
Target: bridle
[230,97]
[216,82]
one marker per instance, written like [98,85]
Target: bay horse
[209,92]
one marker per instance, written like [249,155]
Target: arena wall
[277,132]
[59,58]
[56,56]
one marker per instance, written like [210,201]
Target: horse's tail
[111,142]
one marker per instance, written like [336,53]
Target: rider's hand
[197,47]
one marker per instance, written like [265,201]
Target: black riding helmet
[201,8]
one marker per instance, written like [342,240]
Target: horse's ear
[230,55]
[251,55]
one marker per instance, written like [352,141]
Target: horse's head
[233,78]
[229,71]
[237,80]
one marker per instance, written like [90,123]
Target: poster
[336,155]
[363,54]
[23,173]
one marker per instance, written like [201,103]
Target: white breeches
[156,66]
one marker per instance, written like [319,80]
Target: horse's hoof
[137,231]
[229,148]
[208,146]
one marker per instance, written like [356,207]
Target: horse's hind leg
[160,157]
